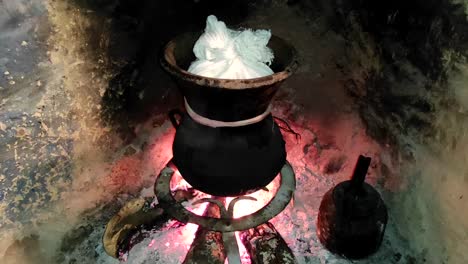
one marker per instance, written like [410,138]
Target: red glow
[178,183]
[242,208]
[320,144]
[125,175]
[246,207]
[186,234]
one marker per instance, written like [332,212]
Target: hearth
[229,149]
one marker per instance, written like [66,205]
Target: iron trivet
[226,224]
[217,226]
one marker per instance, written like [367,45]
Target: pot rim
[168,61]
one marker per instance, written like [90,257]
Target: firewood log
[207,247]
[266,246]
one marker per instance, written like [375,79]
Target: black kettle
[352,216]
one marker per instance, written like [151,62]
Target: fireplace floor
[64,173]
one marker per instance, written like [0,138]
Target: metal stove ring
[276,205]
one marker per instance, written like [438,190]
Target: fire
[188,234]
[174,243]
[246,207]
[178,183]
[241,208]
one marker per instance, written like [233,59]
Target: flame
[174,243]
[246,207]
[241,208]
[179,183]
[186,234]
[190,229]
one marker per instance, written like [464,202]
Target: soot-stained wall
[404,64]
[410,82]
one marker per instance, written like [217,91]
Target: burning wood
[207,247]
[266,246]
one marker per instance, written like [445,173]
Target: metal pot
[214,149]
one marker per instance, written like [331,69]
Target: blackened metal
[229,161]
[173,114]
[360,172]
[229,238]
[179,212]
[266,246]
[207,247]
[232,249]
[352,219]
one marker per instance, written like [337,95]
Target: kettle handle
[360,172]
[173,117]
